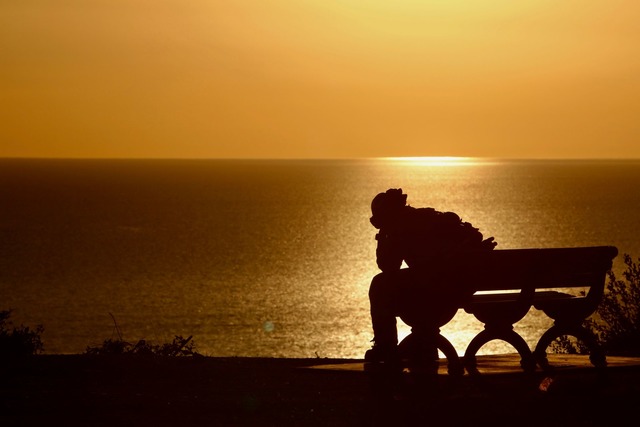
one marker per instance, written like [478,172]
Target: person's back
[428,236]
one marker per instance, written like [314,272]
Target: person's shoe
[382,358]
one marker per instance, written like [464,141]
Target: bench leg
[422,352]
[596,354]
[454,365]
[527,362]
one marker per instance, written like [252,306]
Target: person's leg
[384,297]
[387,296]
[383,303]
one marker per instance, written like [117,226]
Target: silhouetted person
[431,244]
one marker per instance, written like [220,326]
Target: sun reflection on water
[440,161]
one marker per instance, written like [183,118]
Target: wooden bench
[507,283]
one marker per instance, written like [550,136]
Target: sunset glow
[318,79]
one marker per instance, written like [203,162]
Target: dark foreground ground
[75,390]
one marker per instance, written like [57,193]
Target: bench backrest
[517,269]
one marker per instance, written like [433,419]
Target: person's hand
[489,243]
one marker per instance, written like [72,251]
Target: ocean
[267,258]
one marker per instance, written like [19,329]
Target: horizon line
[425,159]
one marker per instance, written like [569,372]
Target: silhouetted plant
[18,341]
[110,346]
[616,322]
[178,347]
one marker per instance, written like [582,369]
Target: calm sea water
[266,258]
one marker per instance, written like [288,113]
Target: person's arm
[388,255]
[473,238]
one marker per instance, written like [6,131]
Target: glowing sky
[319,78]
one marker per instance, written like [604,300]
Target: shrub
[18,341]
[616,322]
[178,347]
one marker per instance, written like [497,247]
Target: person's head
[386,206]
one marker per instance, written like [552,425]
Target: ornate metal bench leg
[598,358]
[527,361]
[454,364]
[540,352]
[596,354]
[422,353]
[470,362]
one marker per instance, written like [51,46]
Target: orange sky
[320,78]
